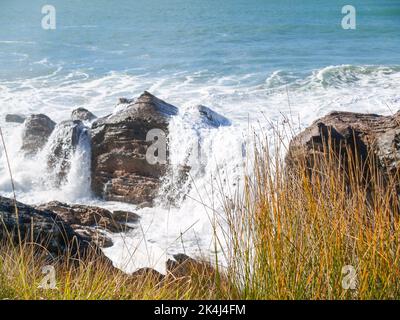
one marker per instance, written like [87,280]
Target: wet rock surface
[120,170]
[64,141]
[92,222]
[31,225]
[37,130]
[366,136]
[82,114]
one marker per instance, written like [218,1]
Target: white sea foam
[250,104]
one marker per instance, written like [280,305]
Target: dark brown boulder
[363,137]
[82,114]
[125,216]
[120,170]
[38,128]
[91,221]
[147,274]
[44,228]
[185,266]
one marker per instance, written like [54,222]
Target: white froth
[215,154]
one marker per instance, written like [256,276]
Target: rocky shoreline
[121,171]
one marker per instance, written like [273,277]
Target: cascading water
[60,171]
[78,181]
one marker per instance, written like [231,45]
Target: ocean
[253,61]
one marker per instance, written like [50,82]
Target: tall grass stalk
[293,231]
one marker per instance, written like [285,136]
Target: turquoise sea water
[254,61]
[218,38]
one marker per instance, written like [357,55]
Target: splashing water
[215,153]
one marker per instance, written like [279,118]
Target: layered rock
[45,228]
[120,169]
[366,136]
[82,114]
[38,128]
[90,221]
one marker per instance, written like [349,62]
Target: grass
[295,230]
[21,277]
[291,233]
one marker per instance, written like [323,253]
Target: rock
[82,114]
[96,235]
[361,134]
[61,148]
[125,216]
[120,170]
[213,118]
[16,118]
[184,266]
[125,101]
[44,228]
[147,274]
[38,128]
[88,216]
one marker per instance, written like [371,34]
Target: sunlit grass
[290,233]
[294,230]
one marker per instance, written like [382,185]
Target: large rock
[365,136]
[120,170]
[44,228]
[38,128]
[82,114]
[90,221]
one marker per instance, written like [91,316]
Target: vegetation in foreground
[291,235]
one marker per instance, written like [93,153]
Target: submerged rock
[38,128]
[213,118]
[120,169]
[45,228]
[92,221]
[82,114]
[16,118]
[369,137]
[62,145]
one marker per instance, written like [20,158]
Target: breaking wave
[248,103]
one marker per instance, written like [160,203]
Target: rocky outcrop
[92,222]
[82,114]
[366,136]
[16,118]
[45,228]
[38,128]
[120,169]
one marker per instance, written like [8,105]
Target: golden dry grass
[290,235]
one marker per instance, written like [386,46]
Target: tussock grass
[21,276]
[291,232]
[294,230]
